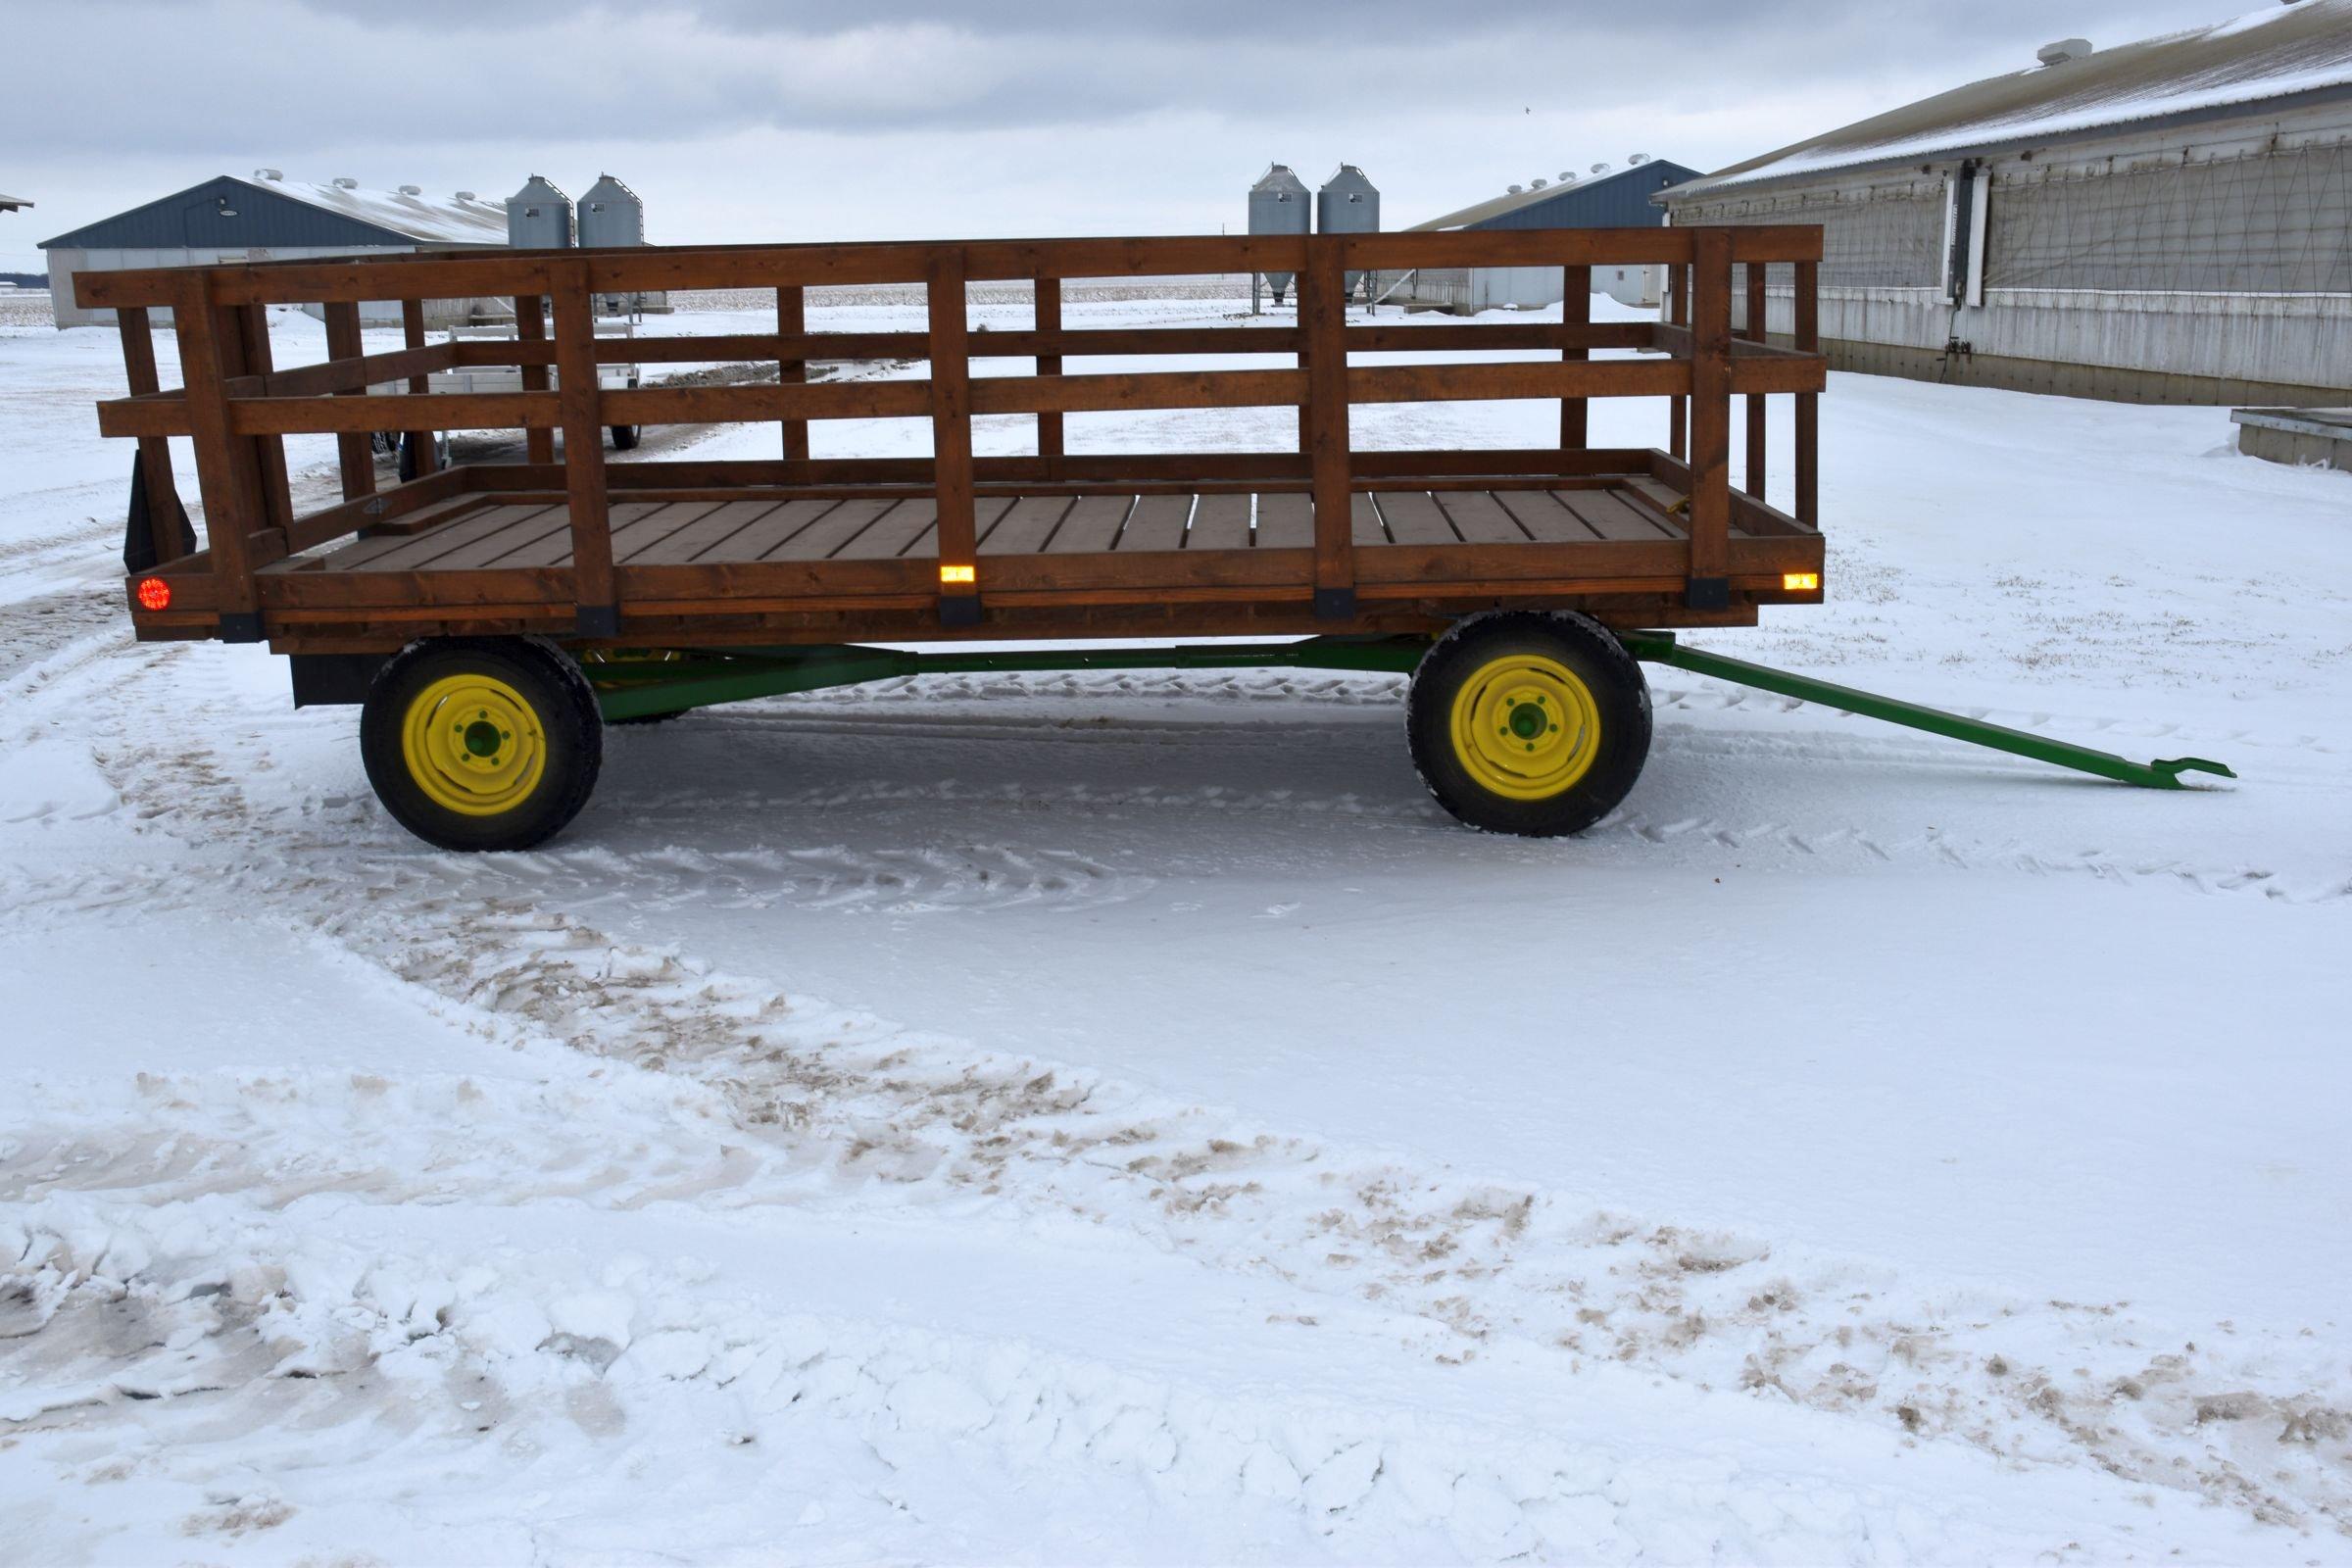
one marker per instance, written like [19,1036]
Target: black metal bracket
[1708,593]
[597,620]
[329,680]
[241,626]
[1334,604]
[959,610]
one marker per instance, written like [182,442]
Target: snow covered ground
[1118,1117]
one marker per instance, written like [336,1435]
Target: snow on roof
[438,220]
[2263,55]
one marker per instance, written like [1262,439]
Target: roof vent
[2065,49]
[466,196]
[1600,169]
[1567,175]
[1540,183]
[1514,190]
[269,173]
[412,190]
[346,182]
[1637,158]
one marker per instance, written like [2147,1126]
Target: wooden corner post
[1323,312]
[1806,324]
[579,400]
[1709,584]
[411,333]
[226,469]
[355,454]
[156,490]
[952,440]
[1757,307]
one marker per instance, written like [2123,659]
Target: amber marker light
[956,575]
[154,594]
[1799,582]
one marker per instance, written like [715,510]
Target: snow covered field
[1118,1117]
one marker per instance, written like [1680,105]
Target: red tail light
[154,594]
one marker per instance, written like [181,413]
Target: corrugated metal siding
[192,219]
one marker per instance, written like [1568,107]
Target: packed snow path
[1119,1116]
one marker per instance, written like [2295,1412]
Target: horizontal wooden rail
[465,273]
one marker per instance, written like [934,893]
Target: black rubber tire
[625,438]
[559,697]
[1620,696]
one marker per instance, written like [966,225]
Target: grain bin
[539,216]
[1348,204]
[1279,205]
[611,214]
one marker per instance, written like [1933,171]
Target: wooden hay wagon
[490,616]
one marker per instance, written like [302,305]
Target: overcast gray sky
[738,120]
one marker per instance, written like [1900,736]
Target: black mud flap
[139,535]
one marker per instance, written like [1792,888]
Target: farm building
[270,218]
[1606,199]
[2164,221]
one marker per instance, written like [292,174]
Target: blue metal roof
[226,213]
[1620,199]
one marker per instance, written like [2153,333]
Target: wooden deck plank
[890,535]
[764,534]
[1286,521]
[986,512]
[1026,525]
[704,532]
[545,538]
[829,533]
[1156,524]
[349,554]
[630,519]
[1219,522]
[1414,518]
[1609,502]
[1617,522]
[1090,525]
[1363,520]
[1545,519]
[1480,519]
[418,549]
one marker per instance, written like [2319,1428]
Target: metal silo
[611,214]
[1348,204]
[1279,205]
[539,216]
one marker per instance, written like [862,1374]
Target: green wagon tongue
[1660,648]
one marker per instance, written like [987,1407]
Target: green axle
[637,689]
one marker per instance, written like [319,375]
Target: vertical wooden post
[595,591]
[353,453]
[1576,311]
[1709,586]
[412,324]
[1806,335]
[531,327]
[792,321]
[1048,338]
[1323,317]
[155,451]
[952,439]
[1755,400]
[251,357]
[1677,314]
[226,468]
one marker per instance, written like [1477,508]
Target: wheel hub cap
[1526,727]
[474,745]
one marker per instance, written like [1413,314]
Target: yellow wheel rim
[474,745]
[1526,727]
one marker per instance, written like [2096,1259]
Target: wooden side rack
[1326,538]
